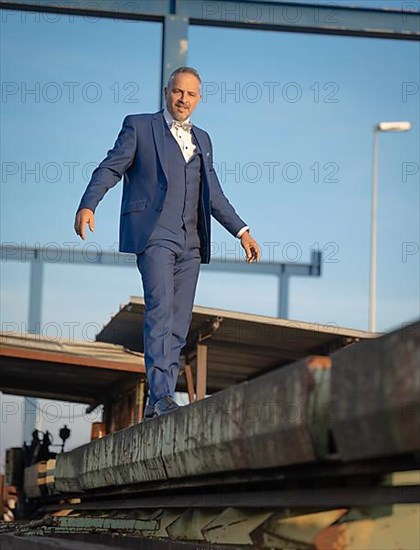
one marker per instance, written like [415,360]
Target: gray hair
[179,70]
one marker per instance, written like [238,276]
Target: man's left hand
[251,247]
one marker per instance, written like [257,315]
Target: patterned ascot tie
[184,125]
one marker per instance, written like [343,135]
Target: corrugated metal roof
[69,370]
[99,350]
[240,345]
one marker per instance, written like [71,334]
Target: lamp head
[393,126]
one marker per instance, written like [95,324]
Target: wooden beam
[201,371]
[140,395]
[190,383]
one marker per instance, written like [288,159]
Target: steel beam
[322,498]
[33,420]
[146,10]
[174,47]
[333,473]
[283,296]
[91,255]
[325,18]
[259,15]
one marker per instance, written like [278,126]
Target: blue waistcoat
[178,220]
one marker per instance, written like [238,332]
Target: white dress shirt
[183,137]
[184,140]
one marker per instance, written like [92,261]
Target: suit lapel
[159,137]
[205,156]
[201,146]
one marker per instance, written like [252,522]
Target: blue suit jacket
[139,155]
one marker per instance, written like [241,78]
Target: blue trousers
[169,276]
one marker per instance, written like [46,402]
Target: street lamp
[380,127]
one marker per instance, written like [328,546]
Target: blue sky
[327,92]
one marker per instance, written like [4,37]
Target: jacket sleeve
[112,168]
[221,208]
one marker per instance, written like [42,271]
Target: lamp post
[380,127]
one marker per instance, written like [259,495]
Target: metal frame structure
[38,257]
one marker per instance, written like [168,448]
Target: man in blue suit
[170,192]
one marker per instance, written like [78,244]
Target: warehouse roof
[239,345]
[69,370]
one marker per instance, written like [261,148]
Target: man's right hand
[84,216]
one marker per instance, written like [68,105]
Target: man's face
[182,95]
